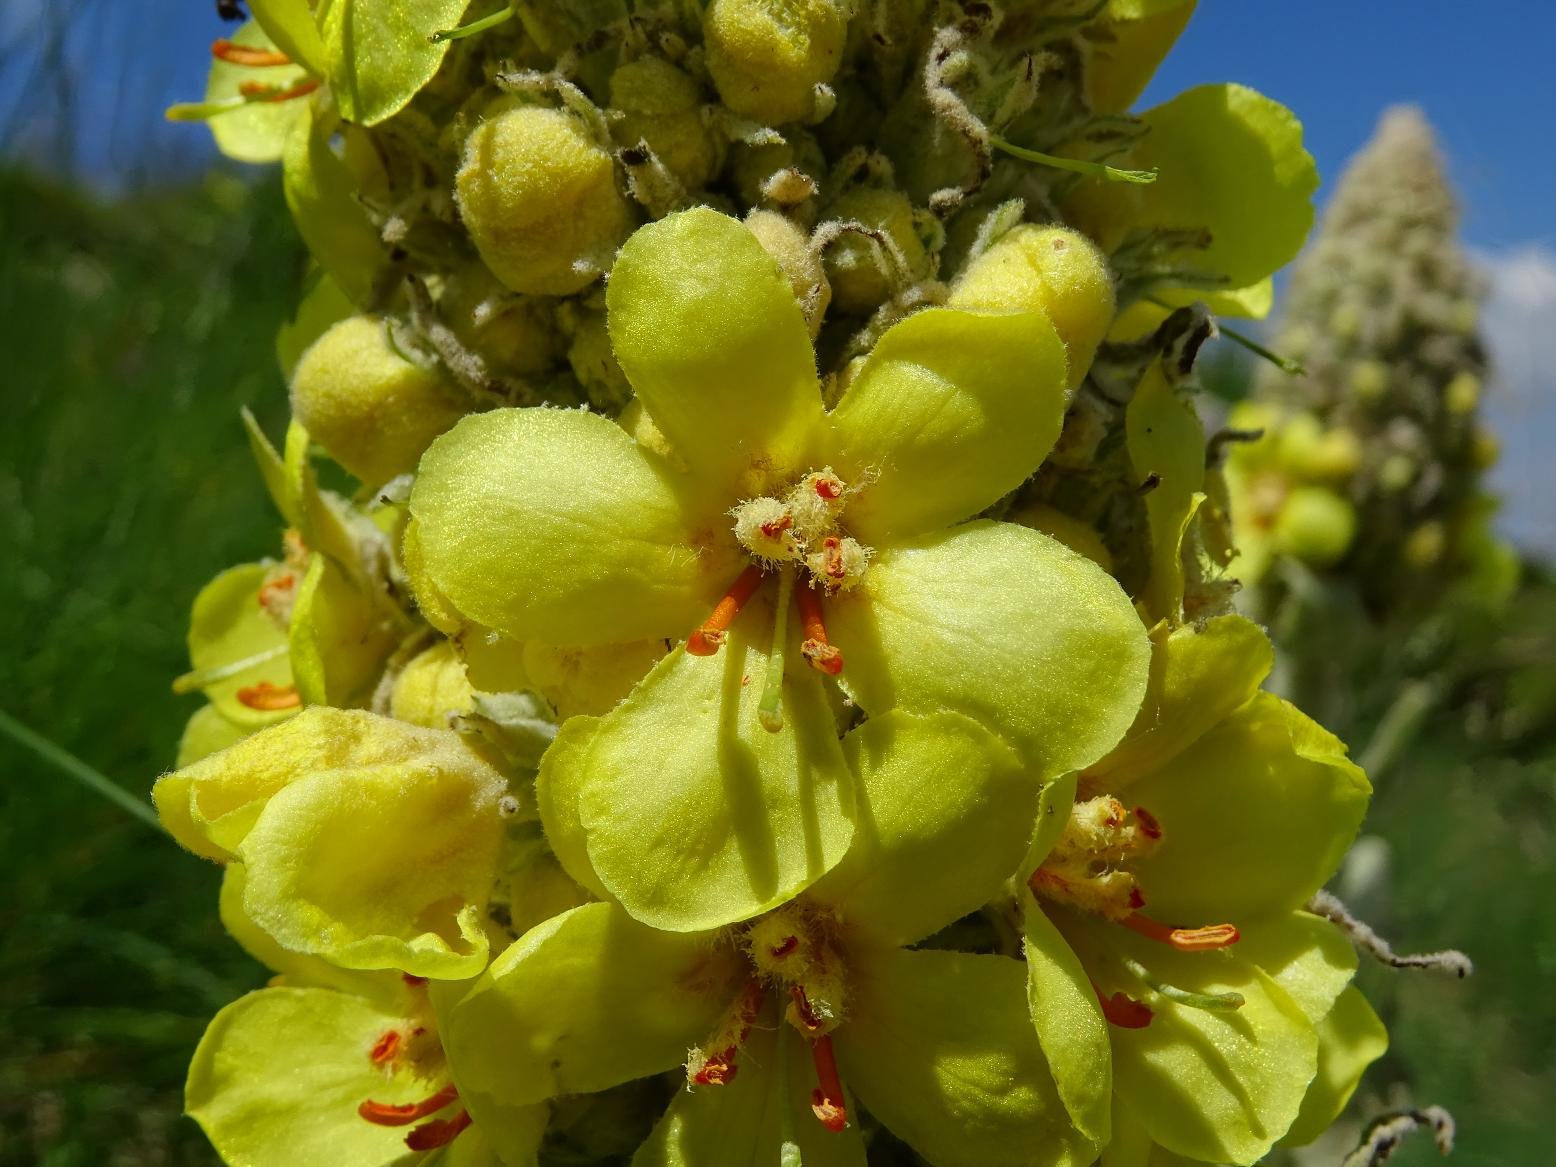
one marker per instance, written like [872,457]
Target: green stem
[1074,165]
[1215,1002]
[770,712]
[98,783]
[501,16]
[1398,727]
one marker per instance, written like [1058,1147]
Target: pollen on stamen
[817,649]
[403,1114]
[269,697]
[1206,938]
[385,1048]
[826,1101]
[710,637]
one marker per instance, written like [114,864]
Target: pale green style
[556,526]
[935,1044]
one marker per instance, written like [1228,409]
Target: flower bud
[593,361]
[1316,526]
[516,334]
[373,410]
[540,199]
[1052,270]
[768,56]
[1462,393]
[782,239]
[431,687]
[662,106]
[862,278]
[1369,380]
[1425,545]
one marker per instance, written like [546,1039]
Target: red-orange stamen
[281,583]
[1123,1010]
[718,1068]
[803,1008]
[1043,876]
[1149,827]
[384,1049]
[826,1101]
[709,638]
[269,697]
[405,1113]
[438,1133]
[829,488]
[832,558]
[259,91]
[234,54]
[1203,939]
[776,527]
[817,649]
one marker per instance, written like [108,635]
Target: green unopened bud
[768,56]
[1369,380]
[431,688]
[662,106]
[370,407]
[1316,526]
[540,199]
[862,270]
[1052,270]
[1485,449]
[783,172]
[594,363]
[783,239]
[1462,393]
[516,334]
[1397,472]
[1308,451]
[1070,531]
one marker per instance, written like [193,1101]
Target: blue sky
[1485,74]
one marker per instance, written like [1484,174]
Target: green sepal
[1165,439]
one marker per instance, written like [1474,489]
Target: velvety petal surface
[1069,1023]
[553,525]
[229,632]
[709,333]
[695,816]
[951,411]
[1255,816]
[943,815]
[1005,624]
[587,1000]
[1350,1038]
[939,1046]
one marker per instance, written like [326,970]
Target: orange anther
[233,54]
[709,638]
[403,1114]
[1149,827]
[788,945]
[803,1008]
[1203,939]
[820,652]
[269,697]
[832,558]
[259,91]
[777,526]
[439,1133]
[384,1049]
[1123,1010]
[269,590]
[826,1101]
[829,488]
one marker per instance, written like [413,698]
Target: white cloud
[1520,327]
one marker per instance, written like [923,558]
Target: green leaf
[279,1074]
[951,411]
[747,1120]
[254,131]
[554,525]
[1255,816]
[1004,624]
[378,53]
[709,333]
[926,853]
[1069,1023]
[939,1046]
[586,1001]
[694,815]
[1165,439]
[321,193]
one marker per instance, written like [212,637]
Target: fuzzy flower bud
[768,56]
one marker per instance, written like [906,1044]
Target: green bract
[556,526]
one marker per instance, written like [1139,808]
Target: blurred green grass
[133,332]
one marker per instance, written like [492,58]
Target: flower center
[800,539]
[1089,869]
[414,1048]
[793,958]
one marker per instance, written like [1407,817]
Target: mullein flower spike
[774,696]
